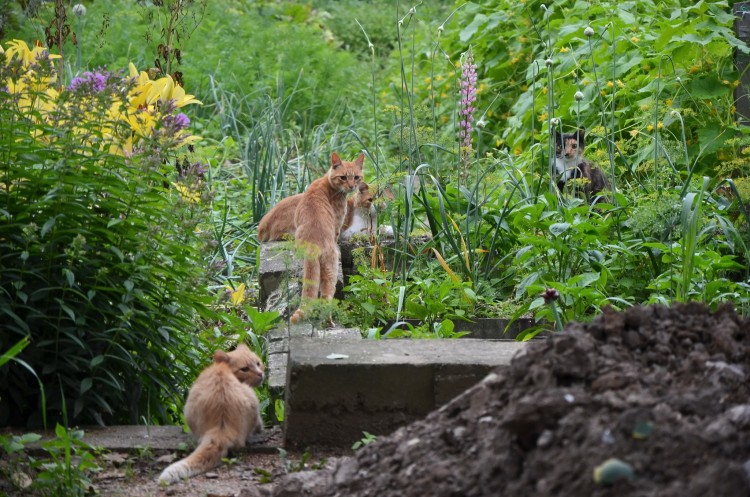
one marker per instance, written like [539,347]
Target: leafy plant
[367,439]
[64,471]
[98,217]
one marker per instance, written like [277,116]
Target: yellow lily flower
[238,295]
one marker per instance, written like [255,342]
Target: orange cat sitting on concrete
[318,220]
[361,218]
[221,411]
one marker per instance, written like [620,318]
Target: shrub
[100,260]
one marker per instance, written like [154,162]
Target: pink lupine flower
[468,95]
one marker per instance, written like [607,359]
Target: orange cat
[318,218]
[221,411]
[279,221]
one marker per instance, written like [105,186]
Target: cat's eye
[357,178]
[574,145]
[245,369]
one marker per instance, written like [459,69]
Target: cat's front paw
[297,317]
[386,230]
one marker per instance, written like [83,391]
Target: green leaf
[370,308]
[538,302]
[558,229]
[48,226]
[472,28]
[86,384]
[69,276]
[708,86]
[14,350]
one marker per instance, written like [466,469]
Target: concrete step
[337,388]
[280,277]
[278,349]
[134,438]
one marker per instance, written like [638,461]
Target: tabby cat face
[569,146]
[346,176]
[364,196]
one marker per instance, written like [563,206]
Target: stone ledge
[280,277]
[130,438]
[377,386]
[278,349]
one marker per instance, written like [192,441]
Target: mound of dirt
[663,390]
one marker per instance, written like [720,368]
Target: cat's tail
[211,449]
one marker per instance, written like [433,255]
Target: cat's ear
[221,356]
[388,193]
[581,133]
[363,187]
[558,136]
[335,161]
[360,160]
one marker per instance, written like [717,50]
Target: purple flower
[468,94]
[181,121]
[91,82]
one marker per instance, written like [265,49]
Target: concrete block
[377,386]
[387,245]
[280,278]
[278,349]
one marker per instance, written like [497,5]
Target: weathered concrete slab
[359,250]
[278,349]
[336,389]
[280,277]
[128,438]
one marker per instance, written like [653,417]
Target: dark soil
[665,390]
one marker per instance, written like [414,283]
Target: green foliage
[304,62]
[64,470]
[367,439]
[99,267]
[650,74]
[291,465]
[656,217]
[372,303]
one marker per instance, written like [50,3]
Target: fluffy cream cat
[221,411]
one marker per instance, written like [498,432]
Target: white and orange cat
[221,410]
[361,216]
[318,220]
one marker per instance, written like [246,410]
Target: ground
[239,476]
[654,401]
[664,391]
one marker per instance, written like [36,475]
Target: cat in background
[319,218]
[570,164]
[221,410]
[278,223]
[361,214]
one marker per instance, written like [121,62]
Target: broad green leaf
[558,229]
[472,28]
[708,87]
[86,384]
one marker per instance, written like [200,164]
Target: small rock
[545,439]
